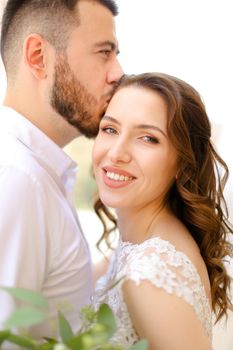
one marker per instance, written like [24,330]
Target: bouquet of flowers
[98,326]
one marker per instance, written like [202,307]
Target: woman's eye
[150,139]
[108,130]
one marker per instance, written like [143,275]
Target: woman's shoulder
[183,242]
[170,260]
[171,253]
[157,249]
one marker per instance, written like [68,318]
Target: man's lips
[108,96]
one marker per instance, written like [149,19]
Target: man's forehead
[85,8]
[97,25]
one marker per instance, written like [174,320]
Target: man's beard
[73,102]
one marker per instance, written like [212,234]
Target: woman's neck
[138,224]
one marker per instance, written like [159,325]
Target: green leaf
[52,341]
[97,336]
[21,341]
[61,346]
[85,341]
[24,317]
[3,336]
[141,345]
[33,298]
[112,347]
[76,342]
[88,314]
[105,316]
[65,330]
[88,341]
[46,346]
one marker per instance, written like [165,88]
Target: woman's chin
[110,203]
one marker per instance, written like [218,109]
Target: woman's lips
[117,178]
[119,171]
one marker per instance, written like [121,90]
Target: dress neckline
[152,238]
[173,247]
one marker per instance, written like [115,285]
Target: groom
[61,63]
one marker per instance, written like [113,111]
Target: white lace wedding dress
[159,262]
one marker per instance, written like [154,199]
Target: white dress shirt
[42,247]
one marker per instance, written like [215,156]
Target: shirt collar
[38,142]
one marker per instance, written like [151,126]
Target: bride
[155,164]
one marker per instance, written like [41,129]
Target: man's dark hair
[51,19]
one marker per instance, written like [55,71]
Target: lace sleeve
[159,262]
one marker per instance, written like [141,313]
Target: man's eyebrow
[110,43]
[140,126]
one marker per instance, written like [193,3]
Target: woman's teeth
[117,177]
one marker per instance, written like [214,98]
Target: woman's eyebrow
[139,126]
[153,127]
[107,117]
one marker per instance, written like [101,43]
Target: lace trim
[159,262]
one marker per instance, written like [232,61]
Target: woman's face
[134,161]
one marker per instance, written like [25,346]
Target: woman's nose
[120,152]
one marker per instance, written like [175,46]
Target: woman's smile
[117,178]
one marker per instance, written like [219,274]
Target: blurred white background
[191,39]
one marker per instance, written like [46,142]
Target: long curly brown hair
[196,197]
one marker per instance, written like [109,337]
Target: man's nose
[115,73]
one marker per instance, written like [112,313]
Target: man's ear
[34,51]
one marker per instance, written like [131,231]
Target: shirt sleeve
[22,235]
